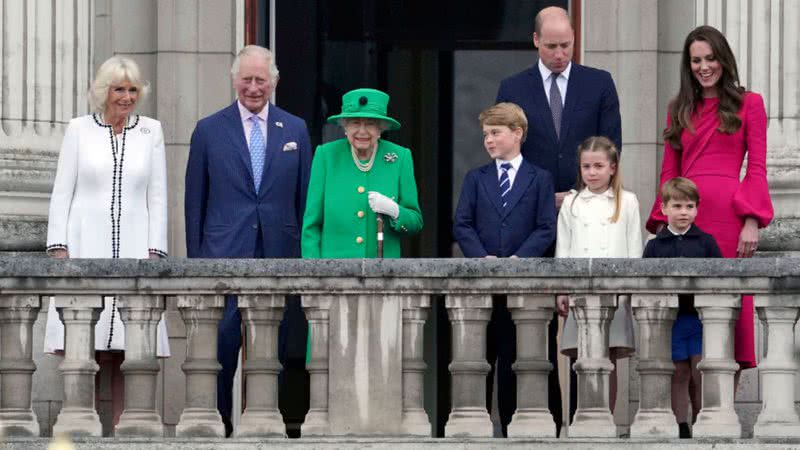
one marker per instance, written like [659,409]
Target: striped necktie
[505,183]
[258,151]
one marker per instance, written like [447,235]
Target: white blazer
[109,201]
[86,191]
[585,229]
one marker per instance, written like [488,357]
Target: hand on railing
[562,305]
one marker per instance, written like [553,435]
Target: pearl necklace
[364,167]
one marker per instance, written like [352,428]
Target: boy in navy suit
[506,209]
[682,239]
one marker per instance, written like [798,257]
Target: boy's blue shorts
[687,337]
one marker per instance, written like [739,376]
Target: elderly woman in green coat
[354,179]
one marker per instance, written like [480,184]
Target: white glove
[382,204]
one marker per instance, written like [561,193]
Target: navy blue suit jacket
[591,108]
[526,227]
[223,211]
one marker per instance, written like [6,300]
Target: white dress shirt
[675,233]
[512,172]
[248,124]
[562,80]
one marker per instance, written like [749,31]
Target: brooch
[279,124]
[145,130]
[390,157]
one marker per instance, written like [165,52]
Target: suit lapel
[541,104]
[236,134]
[274,140]
[492,186]
[523,179]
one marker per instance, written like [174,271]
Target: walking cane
[379,221]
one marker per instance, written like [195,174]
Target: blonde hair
[115,70]
[256,50]
[505,114]
[603,144]
[679,188]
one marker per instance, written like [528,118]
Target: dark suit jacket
[591,108]
[223,211]
[526,227]
[696,243]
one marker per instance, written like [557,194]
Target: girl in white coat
[110,200]
[600,220]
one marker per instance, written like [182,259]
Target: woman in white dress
[110,199]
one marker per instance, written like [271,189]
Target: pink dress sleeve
[670,168]
[752,198]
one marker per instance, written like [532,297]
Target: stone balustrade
[366,322]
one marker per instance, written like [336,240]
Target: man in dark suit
[246,184]
[506,209]
[581,103]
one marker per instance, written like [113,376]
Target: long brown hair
[728,89]
[603,144]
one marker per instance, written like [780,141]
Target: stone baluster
[655,315]
[78,416]
[469,315]
[262,315]
[532,314]
[778,417]
[415,420]
[201,314]
[593,313]
[17,314]
[317,310]
[718,418]
[141,314]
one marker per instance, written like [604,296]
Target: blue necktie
[505,183]
[258,151]
[556,108]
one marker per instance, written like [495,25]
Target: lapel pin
[279,124]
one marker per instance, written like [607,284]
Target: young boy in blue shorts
[682,239]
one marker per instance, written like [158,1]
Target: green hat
[367,104]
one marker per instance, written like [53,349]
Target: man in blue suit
[246,183]
[506,209]
[582,102]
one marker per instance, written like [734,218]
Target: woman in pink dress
[712,125]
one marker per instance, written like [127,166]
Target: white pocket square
[289,146]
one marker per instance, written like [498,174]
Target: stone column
[201,314]
[532,314]
[17,314]
[778,417]
[317,308]
[78,416]
[415,311]
[262,314]
[655,315]
[141,314]
[593,313]
[718,418]
[46,69]
[469,315]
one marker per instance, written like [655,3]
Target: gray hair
[258,51]
[115,70]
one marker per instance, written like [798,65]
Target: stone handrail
[593,284]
